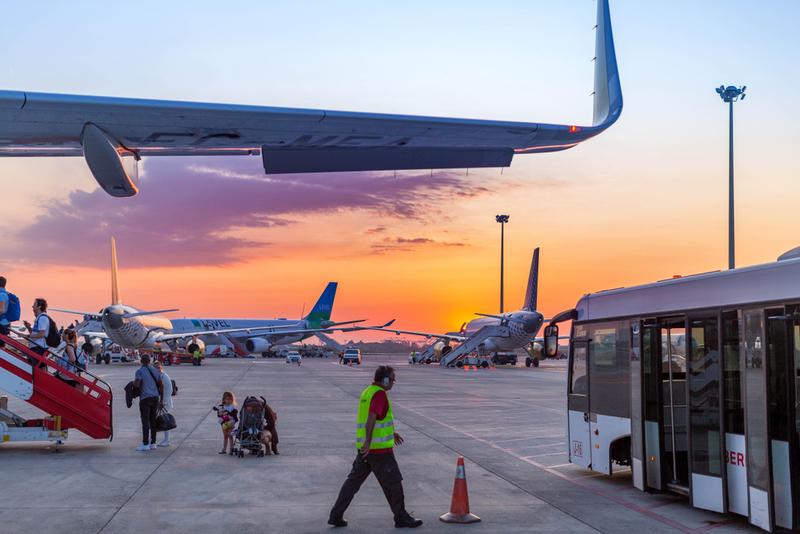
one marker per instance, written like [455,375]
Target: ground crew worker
[196,358]
[375,440]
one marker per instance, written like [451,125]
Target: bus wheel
[536,362]
[485,364]
[528,361]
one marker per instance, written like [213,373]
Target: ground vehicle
[502,358]
[352,356]
[283,353]
[695,383]
[115,353]
[293,357]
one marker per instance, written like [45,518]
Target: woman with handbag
[167,382]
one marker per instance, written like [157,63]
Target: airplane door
[578,405]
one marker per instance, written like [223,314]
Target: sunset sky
[215,237]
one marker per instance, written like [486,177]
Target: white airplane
[113,134]
[133,328]
[517,329]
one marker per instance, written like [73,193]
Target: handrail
[101,387]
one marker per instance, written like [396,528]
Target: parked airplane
[133,328]
[516,329]
[112,134]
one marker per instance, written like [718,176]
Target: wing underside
[114,133]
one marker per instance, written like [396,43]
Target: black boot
[337,522]
[407,522]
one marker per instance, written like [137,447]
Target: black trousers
[148,409]
[385,468]
[40,351]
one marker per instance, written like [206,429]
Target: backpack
[12,310]
[52,338]
[174,388]
[80,360]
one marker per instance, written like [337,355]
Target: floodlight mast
[730,95]
[502,219]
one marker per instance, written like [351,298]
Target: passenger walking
[38,332]
[167,382]
[375,440]
[270,430]
[228,416]
[151,398]
[70,359]
[7,300]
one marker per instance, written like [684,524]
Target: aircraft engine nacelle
[91,346]
[193,345]
[254,345]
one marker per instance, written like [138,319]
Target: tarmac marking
[537,446]
[532,437]
[167,457]
[548,454]
[564,476]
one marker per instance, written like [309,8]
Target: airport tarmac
[508,423]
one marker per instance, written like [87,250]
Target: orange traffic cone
[459,506]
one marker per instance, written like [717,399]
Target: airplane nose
[112,320]
[533,325]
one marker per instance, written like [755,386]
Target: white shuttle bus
[695,383]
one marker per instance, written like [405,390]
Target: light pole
[730,95]
[502,219]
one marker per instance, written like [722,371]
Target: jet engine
[255,345]
[194,345]
[91,346]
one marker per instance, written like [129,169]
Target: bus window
[704,409]
[755,385]
[732,360]
[609,372]
[578,383]
[777,385]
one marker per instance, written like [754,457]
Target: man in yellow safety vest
[375,441]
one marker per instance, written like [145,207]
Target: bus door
[664,397]
[783,335]
[756,421]
[653,406]
[580,452]
[706,446]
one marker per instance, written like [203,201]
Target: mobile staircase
[459,355]
[29,377]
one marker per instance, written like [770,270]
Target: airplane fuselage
[268,329]
[519,334]
[139,332]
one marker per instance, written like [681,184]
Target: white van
[352,356]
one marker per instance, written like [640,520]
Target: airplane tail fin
[114,280]
[533,284]
[324,306]
[607,89]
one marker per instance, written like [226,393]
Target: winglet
[114,280]
[389,323]
[607,89]
[533,284]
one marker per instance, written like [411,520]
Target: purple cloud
[403,244]
[187,209]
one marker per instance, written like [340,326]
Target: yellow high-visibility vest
[383,432]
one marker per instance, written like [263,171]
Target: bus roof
[771,282]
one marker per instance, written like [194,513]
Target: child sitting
[228,416]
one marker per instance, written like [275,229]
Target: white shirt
[41,324]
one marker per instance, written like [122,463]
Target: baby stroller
[249,433]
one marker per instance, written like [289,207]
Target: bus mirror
[551,340]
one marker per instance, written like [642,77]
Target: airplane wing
[451,337]
[256,332]
[112,134]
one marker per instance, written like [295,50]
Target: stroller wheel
[233,451]
[260,454]
[241,454]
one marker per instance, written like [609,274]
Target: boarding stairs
[330,341]
[88,410]
[473,343]
[234,345]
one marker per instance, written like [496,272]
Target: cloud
[193,211]
[402,244]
